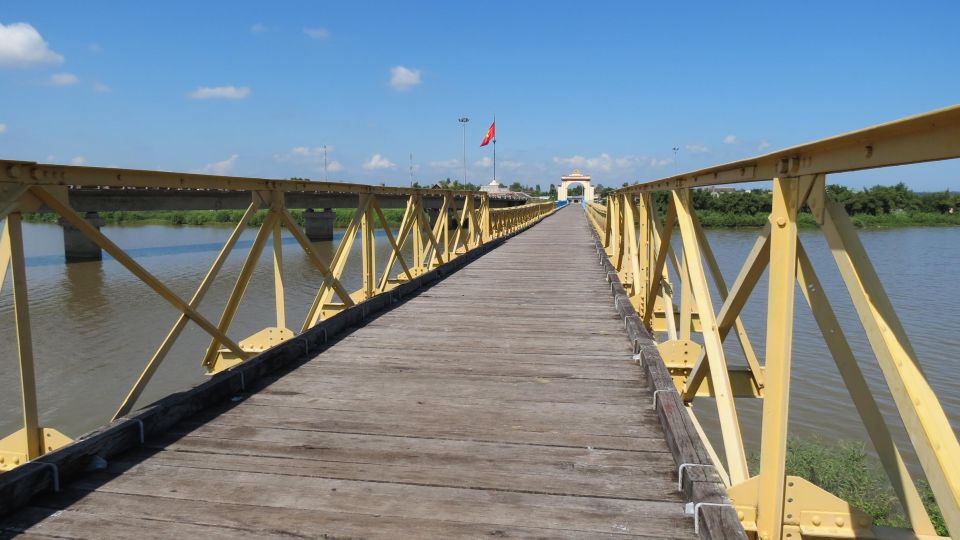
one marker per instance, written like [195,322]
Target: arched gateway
[575,178]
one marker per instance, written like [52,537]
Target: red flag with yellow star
[491,133]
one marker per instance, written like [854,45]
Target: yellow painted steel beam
[337,265]
[4,254]
[393,244]
[659,264]
[931,136]
[927,426]
[368,249]
[726,409]
[328,278]
[722,291]
[21,314]
[779,351]
[239,289]
[900,478]
[174,333]
[127,262]
[28,173]
[278,276]
[407,224]
[733,304]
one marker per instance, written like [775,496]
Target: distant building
[495,187]
[716,191]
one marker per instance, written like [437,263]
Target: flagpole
[494,149]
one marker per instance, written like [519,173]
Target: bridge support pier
[318,225]
[76,246]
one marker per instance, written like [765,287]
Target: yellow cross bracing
[28,187]
[640,243]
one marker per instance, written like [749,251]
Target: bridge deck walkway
[501,402]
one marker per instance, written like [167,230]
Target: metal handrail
[639,239]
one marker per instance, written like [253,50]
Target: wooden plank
[478,408]
[156,514]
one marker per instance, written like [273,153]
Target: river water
[95,325]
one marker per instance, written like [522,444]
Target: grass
[342,217]
[846,470]
[713,219]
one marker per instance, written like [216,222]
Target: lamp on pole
[463,122]
[676,166]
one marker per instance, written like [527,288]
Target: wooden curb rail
[700,482]
[49,472]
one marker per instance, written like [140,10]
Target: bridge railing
[464,221]
[642,241]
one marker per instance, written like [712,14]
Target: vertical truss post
[607,229]
[632,248]
[658,276]
[620,225]
[441,229]
[783,275]
[21,310]
[416,215]
[278,264]
[368,247]
[485,218]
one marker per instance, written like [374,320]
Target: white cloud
[509,165]
[445,164]
[483,163]
[696,148]
[258,28]
[764,144]
[654,162]
[334,166]
[101,88]
[220,92]
[21,45]
[730,139]
[607,163]
[402,78]
[312,156]
[378,162]
[63,79]
[79,160]
[604,162]
[95,48]
[317,33]
[306,152]
[220,167]
[3,128]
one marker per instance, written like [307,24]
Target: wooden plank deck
[501,402]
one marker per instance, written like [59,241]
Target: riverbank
[717,220]
[849,472]
[210,217]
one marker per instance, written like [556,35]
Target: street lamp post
[463,122]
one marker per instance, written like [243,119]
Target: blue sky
[256,88]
